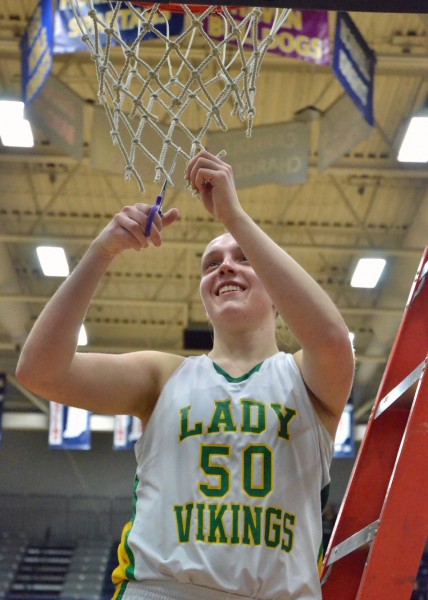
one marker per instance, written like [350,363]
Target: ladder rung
[359,539]
[399,389]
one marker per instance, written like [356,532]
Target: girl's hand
[126,229]
[213,179]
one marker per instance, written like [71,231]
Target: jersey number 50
[257,470]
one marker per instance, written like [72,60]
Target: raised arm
[108,383]
[326,358]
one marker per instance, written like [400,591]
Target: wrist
[98,252]
[234,219]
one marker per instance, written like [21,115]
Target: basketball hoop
[176,8]
[179,97]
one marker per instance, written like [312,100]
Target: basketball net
[195,75]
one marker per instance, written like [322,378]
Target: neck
[237,353]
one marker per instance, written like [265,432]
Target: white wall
[75,493]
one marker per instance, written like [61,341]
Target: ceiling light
[14,129]
[53,261]
[414,147]
[83,338]
[368,272]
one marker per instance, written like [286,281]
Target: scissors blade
[157,207]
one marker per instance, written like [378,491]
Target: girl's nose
[227,265]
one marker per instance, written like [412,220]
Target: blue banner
[37,51]
[344,443]
[69,428]
[354,65]
[68,35]
[127,430]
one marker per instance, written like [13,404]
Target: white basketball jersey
[229,477]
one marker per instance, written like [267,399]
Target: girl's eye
[244,259]
[211,265]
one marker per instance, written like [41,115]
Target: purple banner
[305,35]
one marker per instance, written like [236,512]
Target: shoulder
[153,369]
[160,364]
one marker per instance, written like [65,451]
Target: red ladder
[382,527]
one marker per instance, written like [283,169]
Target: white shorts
[172,590]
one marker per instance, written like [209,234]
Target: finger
[206,178]
[146,213]
[159,222]
[206,166]
[170,216]
[155,235]
[138,212]
[131,231]
[203,154]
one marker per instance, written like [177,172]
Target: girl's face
[229,285]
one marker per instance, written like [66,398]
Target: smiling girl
[237,443]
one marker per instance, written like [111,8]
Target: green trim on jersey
[120,590]
[125,570]
[130,569]
[231,379]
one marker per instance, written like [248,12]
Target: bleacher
[87,572]
[69,548]
[80,571]
[40,573]
[11,552]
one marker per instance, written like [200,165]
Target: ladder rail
[399,547]
[371,518]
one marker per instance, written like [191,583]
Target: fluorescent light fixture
[414,147]
[53,261]
[368,272]
[83,338]
[14,129]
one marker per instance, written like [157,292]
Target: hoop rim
[178,8]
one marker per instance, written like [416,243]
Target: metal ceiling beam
[160,304]
[294,225]
[349,166]
[121,349]
[99,301]
[20,238]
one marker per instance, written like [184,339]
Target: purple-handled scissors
[157,206]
